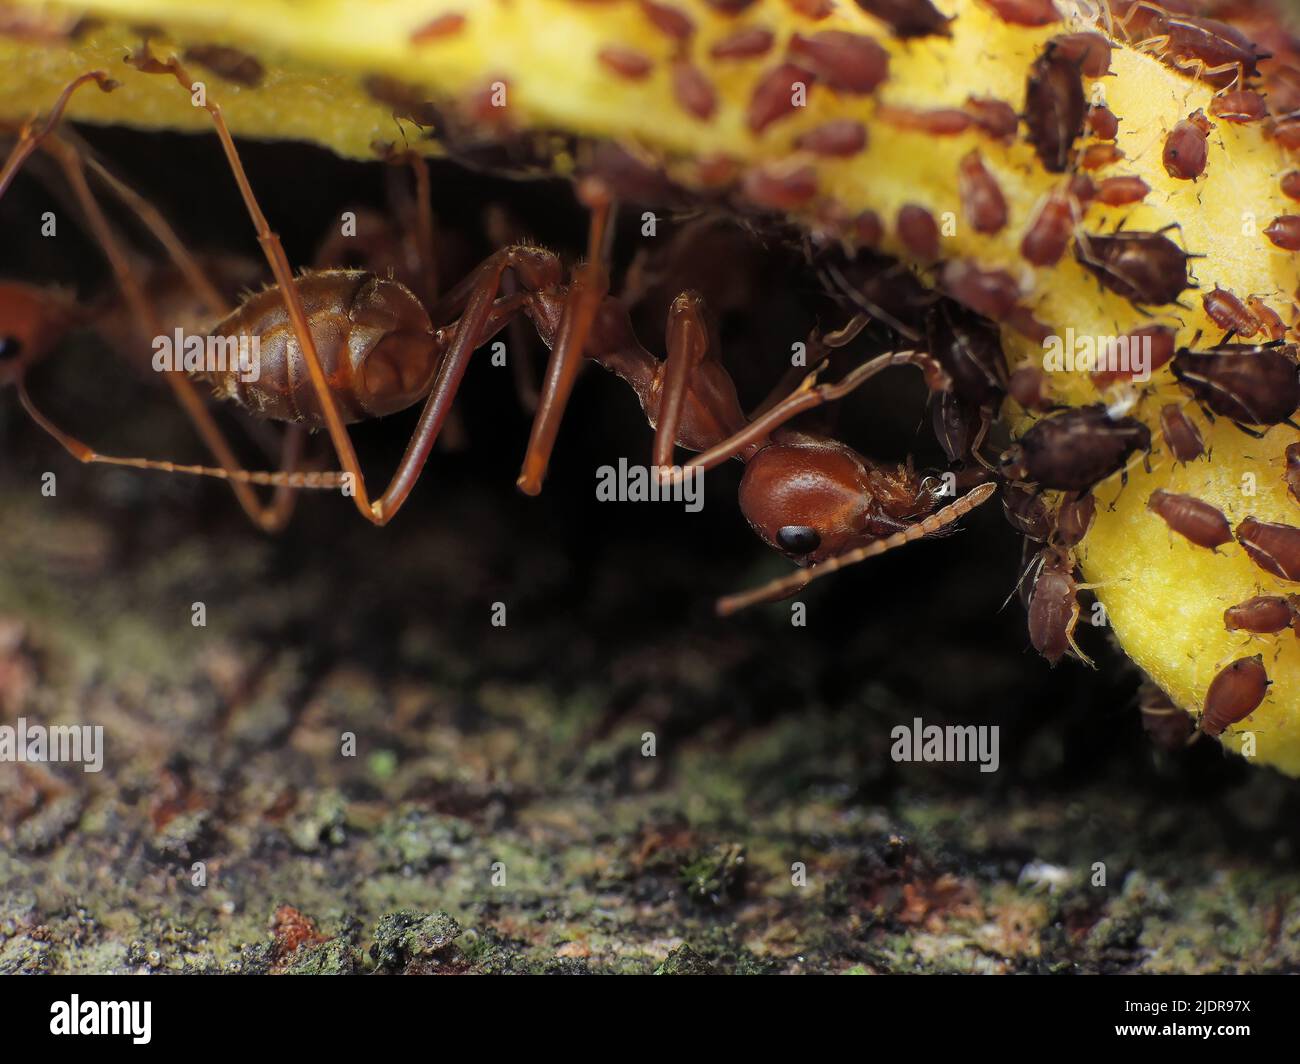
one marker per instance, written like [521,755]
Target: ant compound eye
[798,539]
[10,348]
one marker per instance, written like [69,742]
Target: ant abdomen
[375,342]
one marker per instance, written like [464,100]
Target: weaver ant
[345,345]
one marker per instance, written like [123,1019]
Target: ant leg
[503,232]
[586,293]
[29,139]
[801,578]
[688,351]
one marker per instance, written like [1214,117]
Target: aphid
[970,350]
[1292,474]
[1055,107]
[1054,606]
[1239,105]
[1148,269]
[938,122]
[1102,123]
[1286,132]
[1151,345]
[908,18]
[1026,12]
[840,137]
[693,90]
[1230,313]
[625,62]
[1234,694]
[995,117]
[229,63]
[1214,49]
[670,21]
[774,97]
[982,199]
[781,186]
[1049,233]
[1167,726]
[1251,385]
[1180,433]
[991,293]
[1091,51]
[1273,546]
[1284,232]
[955,424]
[1291,184]
[1075,450]
[1269,319]
[1192,518]
[849,62]
[1097,156]
[1026,512]
[439,28]
[1028,387]
[1122,190]
[749,42]
[1261,615]
[1187,148]
[1074,517]
[918,231]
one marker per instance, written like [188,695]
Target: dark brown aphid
[1269,319]
[1240,106]
[1074,518]
[1102,123]
[730,7]
[1187,147]
[1292,474]
[1286,132]
[670,21]
[955,424]
[1180,433]
[1230,313]
[1273,546]
[849,62]
[775,95]
[1284,232]
[991,293]
[1053,605]
[1122,190]
[1028,387]
[939,122]
[1261,615]
[868,229]
[1234,694]
[228,63]
[970,349]
[1026,512]
[625,62]
[1148,269]
[918,231]
[1049,233]
[1090,51]
[1026,12]
[1220,52]
[1167,726]
[1157,344]
[995,117]
[908,18]
[693,90]
[1249,384]
[1192,518]
[1055,108]
[1075,450]
[748,43]
[840,137]
[1291,184]
[1096,156]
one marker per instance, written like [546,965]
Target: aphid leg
[801,578]
[587,290]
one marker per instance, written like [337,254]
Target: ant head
[813,498]
[32,320]
[393,353]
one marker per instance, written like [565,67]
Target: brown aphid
[1091,51]
[840,138]
[1286,132]
[693,90]
[1273,546]
[991,293]
[1284,232]
[439,28]
[1022,320]
[775,95]
[1075,450]
[1121,190]
[781,186]
[1250,384]
[1049,233]
[868,229]
[1230,313]
[747,43]
[995,117]
[1291,184]
[1074,517]
[1270,321]
[1192,518]
[1055,108]
[1187,147]
[918,231]
[1102,123]
[1180,434]
[908,18]
[1026,512]
[1154,342]
[1261,615]
[969,347]
[813,9]
[625,62]
[1053,605]
[1167,726]
[1292,474]
[1221,52]
[955,422]
[1148,269]
[1234,694]
[1096,156]
[849,62]
[939,122]
[1240,106]
[1025,12]
[982,200]
[229,63]
[1028,387]
[670,21]
[730,7]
